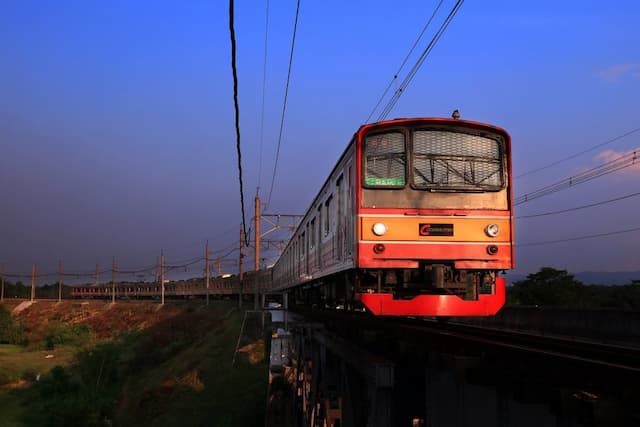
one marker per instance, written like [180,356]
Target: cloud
[611,155]
[617,72]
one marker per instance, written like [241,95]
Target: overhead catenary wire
[571,239]
[573,156]
[232,35]
[577,208]
[624,161]
[284,103]
[406,58]
[123,271]
[398,93]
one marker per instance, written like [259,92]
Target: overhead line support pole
[162,276]
[2,288]
[60,281]
[206,258]
[113,280]
[33,282]
[257,252]
[241,266]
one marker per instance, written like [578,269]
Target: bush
[11,331]
[77,335]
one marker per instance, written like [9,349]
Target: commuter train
[415,219]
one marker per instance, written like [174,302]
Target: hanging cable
[398,93]
[573,156]
[284,104]
[232,34]
[406,58]
[591,205]
[621,162]
[571,239]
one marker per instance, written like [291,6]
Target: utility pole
[219,262]
[257,252]
[33,282]
[241,265]
[162,275]
[206,258]
[257,235]
[2,289]
[113,280]
[97,277]
[60,281]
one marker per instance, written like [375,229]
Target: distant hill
[607,278]
[591,277]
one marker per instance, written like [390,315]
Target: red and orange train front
[434,217]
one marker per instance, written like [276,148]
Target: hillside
[138,365]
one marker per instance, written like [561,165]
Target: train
[228,285]
[415,219]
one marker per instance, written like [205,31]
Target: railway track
[570,353]
[572,349]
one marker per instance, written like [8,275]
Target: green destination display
[385,181]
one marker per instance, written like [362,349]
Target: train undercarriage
[431,290]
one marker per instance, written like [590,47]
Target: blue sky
[117,135]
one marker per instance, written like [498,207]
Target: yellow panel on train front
[454,229]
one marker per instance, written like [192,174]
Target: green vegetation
[551,287]
[176,372]
[77,335]
[11,331]
[198,385]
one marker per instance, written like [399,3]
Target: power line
[591,205]
[621,162]
[232,34]
[284,104]
[398,93]
[571,239]
[406,58]
[573,156]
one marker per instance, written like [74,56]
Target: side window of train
[327,215]
[339,214]
[320,224]
[312,234]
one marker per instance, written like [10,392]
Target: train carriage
[414,220]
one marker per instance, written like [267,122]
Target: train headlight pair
[379,229]
[492,230]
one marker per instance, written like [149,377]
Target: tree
[548,287]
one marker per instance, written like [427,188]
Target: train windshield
[450,160]
[385,159]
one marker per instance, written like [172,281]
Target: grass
[12,409]
[177,372]
[199,386]
[18,367]
[19,363]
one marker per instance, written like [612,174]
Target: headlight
[379,229]
[492,230]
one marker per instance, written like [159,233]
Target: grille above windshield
[454,160]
